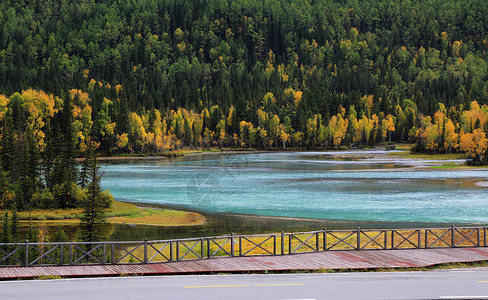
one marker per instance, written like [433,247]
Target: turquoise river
[342,186]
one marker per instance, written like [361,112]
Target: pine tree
[7,143]
[48,155]
[65,172]
[14,225]
[5,234]
[87,165]
[59,236]
[68,151]
[94,224]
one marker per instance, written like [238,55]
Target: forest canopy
[151,76]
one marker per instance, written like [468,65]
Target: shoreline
[124,213]
[377,153]
[368,224]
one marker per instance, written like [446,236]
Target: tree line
[168,54]
[42,133]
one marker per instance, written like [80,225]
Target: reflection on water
[224,224]
[311,185]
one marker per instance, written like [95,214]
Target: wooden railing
[146,252]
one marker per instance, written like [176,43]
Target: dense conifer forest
[153,76]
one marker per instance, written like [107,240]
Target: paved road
[438,284]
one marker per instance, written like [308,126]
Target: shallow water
[304,185]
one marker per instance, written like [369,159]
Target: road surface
[436,284]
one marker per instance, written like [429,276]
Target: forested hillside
[156,75]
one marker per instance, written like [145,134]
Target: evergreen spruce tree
[32,232]
[87,165]
[65,172]
[59,236]
[14,226]
[48,155]
[7,142]
[68,150]
[5,188]
[94,224]
[28,182]
[5,234]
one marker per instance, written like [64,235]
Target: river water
[352,188]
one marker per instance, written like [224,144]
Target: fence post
[419,240]
[274,244]
[452,236]
[171,251]
[325,238]
[358,239]
[112,253]
[201,248]
[104,253]
[177,250]
[385,237]
[240,246]
[208,248]
[393,239]
[71,254]
[232,241]
[290,238]
[61,255]
[317,241]
[484,236]
[26,253]
[145,251]
[426,238]
[282,242]
[478,237]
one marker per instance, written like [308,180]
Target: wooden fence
[146,252]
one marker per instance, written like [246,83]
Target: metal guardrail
[160,251]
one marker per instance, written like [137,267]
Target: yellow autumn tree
[284,136]
[338,128]
[390,126]
[475,117]
[137,132]
[365,126]
[474,144]
[450,137]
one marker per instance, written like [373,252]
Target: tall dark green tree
[65,172]
[49,155]
[29,173]
[94,223]
[7,143]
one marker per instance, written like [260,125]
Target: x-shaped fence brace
[159,251]
[341,240]
[129,253]
[466,237]
[372,240]
[256,245]
[10,254]
[405,239]
[87,254]
[44,254]
[303,243]
[190,249]
[219,246]
[438,238]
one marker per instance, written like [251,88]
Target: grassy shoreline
[120,213]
